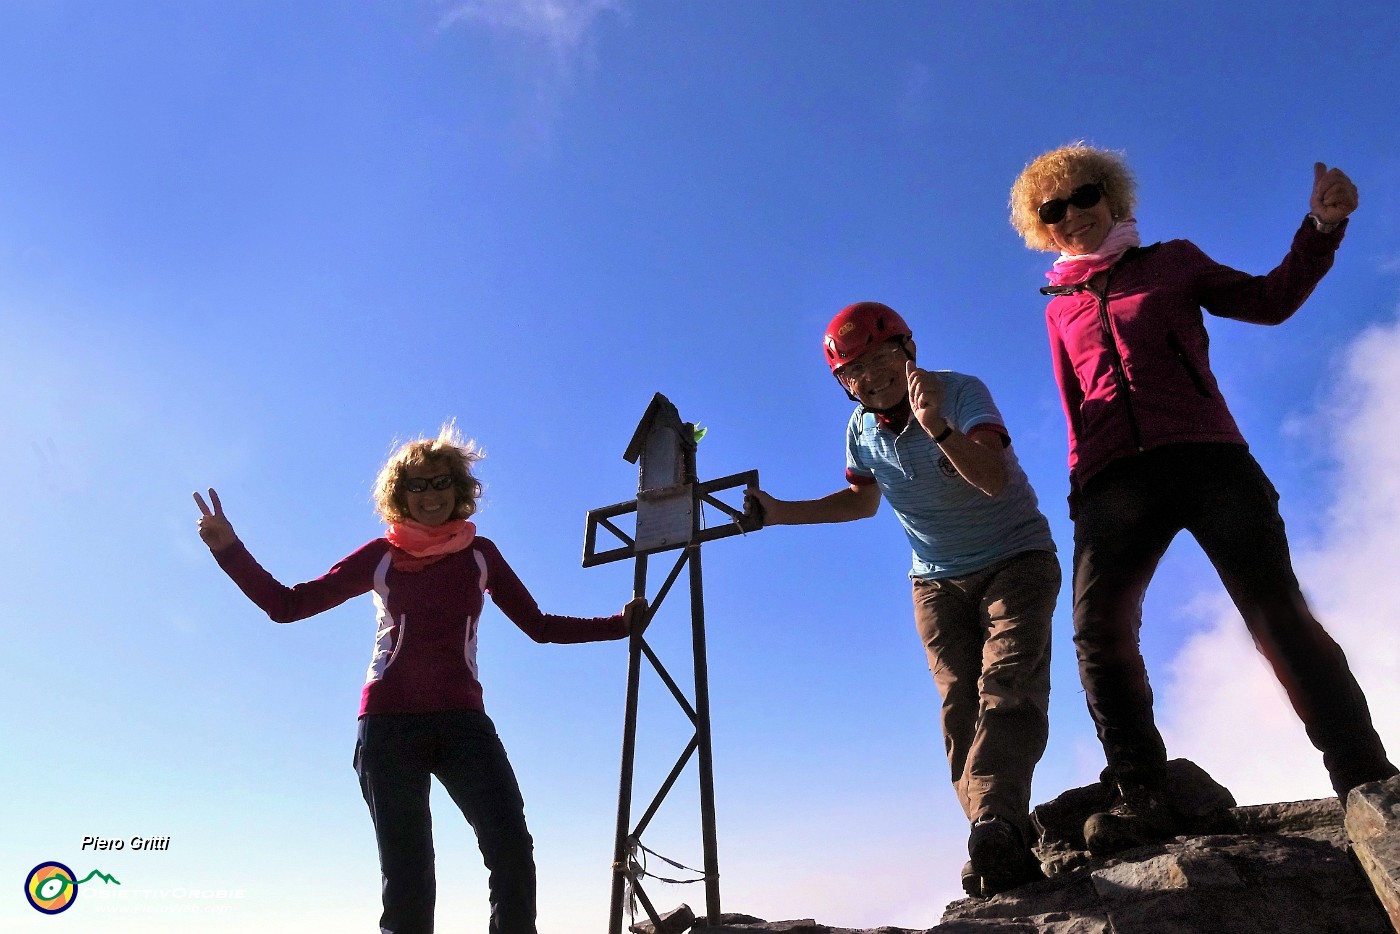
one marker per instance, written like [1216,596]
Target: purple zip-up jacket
[1133,365]
[424,655]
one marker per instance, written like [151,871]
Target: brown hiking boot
[971,881]
[1140,817]
[1001,859]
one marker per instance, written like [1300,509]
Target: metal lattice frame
[628,836]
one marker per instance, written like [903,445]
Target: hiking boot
[1140,817]
[1001,859]
[971,881]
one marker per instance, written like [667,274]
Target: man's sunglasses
[1084,197]
[420,484]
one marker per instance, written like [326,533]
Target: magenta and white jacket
[425,648]
[1133,364]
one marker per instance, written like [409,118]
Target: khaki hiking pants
[987,636]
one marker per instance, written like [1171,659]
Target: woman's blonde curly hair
[450,450]
[1057,168]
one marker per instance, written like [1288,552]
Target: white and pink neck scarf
[1073,269]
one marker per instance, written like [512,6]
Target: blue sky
[248,245]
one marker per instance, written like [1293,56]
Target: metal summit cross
[669,508]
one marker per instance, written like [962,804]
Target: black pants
[1126,517]
[395,757]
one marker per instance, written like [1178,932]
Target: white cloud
[563,26]
[1222,706]
[555,37]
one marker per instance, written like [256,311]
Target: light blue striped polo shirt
[954,528]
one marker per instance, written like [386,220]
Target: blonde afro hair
[1059,167]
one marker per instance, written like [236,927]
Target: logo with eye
[52,887]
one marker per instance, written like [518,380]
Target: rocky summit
[1305,867]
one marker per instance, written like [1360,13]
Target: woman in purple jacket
[421,711]
[1153,450]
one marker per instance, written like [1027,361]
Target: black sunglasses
[419,484]
[1084,197]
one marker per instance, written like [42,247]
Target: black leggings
[396,757]
[1126,517]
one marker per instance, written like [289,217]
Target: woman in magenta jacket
[421,710]
[1153,450]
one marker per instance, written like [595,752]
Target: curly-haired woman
[421,711]
[1153,450]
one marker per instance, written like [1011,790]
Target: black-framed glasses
[421,484]
[853,373]
[1084,197]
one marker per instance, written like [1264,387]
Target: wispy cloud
[563,26]
[1222,706]
[555,38]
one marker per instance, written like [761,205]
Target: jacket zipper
[1175,344]
[1120,372]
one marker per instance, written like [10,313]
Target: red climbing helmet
[859,327]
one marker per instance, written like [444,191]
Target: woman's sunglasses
[1084,197]
[420,485]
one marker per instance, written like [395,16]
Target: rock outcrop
[1297,868]
[1373,823]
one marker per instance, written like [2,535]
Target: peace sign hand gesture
[214,527]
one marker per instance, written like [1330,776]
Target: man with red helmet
[985,572]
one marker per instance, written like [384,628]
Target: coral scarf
[417,545]
[1072,269]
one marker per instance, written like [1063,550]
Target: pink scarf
[416,545]
[1071,269]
